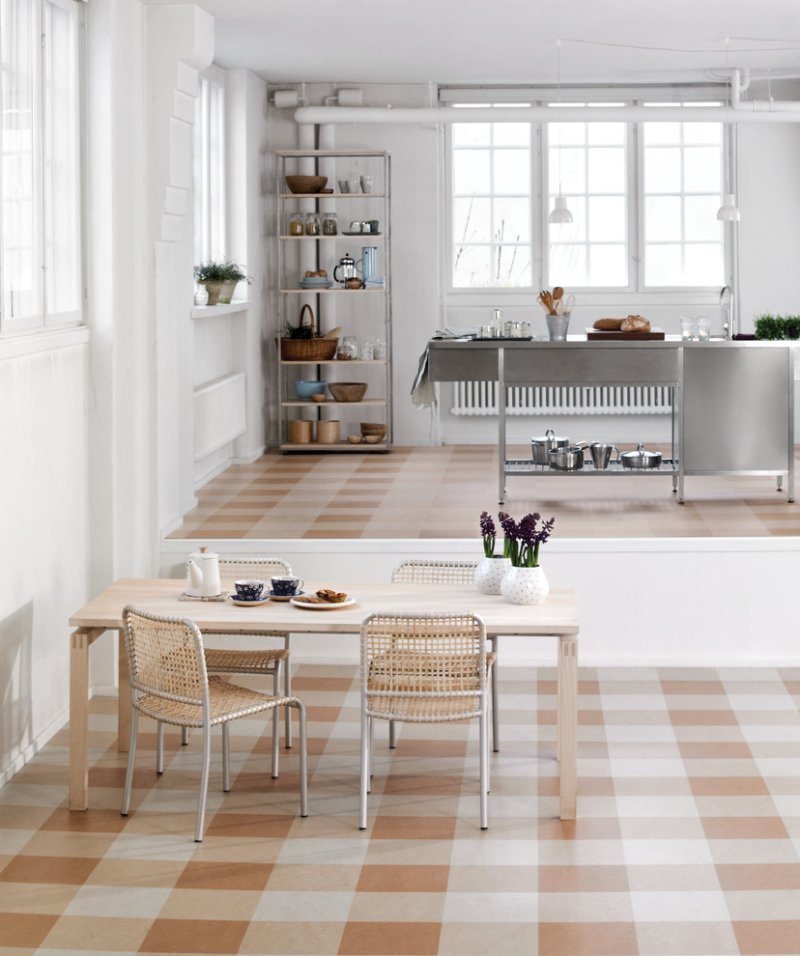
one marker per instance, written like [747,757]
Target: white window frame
[45,320]
[458,295]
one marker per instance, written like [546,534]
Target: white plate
[239,603]
[307,606]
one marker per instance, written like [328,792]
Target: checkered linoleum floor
[438,492]
[687,842]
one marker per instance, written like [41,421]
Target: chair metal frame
[170,683]
[423,668]
[415,571]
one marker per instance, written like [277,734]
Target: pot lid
[641,452]
[203,554]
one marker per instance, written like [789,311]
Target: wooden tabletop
[558,615]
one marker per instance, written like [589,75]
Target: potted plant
[220,279]
[525,581]
[490,572]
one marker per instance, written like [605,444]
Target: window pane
[662,170]
[661,133]
[511,134]
[703,264]
[471,134]
[471,266]
[568,265]
[568,167]
[570,231]
[472,220]
[704,134]
[566,134]
[512,266]
[20,232]
[471,172]
[607,219]
[61,156]
[663,265]
[606,134]
[608,265]
[662,219]
[701,218]
[702,169]
[512,219]
[606,170]
[512,171]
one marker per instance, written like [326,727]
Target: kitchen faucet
[726,306]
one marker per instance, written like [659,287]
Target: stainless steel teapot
[345,269]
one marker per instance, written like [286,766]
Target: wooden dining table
[557,618]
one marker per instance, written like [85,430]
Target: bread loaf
[635,323]
[608,325]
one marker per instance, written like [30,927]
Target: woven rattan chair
[170,683]
[423,668]
[450,572]
[264,661]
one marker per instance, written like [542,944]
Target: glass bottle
[312,224]
[297,226]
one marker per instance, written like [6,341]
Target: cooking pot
[545,443]
[640,458]
[568,458]
[601,454]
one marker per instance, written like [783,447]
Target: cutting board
[597,335]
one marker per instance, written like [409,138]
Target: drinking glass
[688,328]
[703,328]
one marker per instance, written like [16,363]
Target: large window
[40,222]
[209,169]
[643,198]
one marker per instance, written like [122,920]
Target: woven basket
[313,349]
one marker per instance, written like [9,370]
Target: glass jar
[312,224]
[296,226]
[329,224]
[348,348]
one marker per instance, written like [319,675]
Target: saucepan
[641,458]
[569,458]
[544,444]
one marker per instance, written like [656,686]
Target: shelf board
[298,403]
[339,446]
[340,235]
[333,362]
[332,195]
[381,153]
[330,291]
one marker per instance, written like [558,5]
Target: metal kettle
[345,269]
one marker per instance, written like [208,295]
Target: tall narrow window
[40,228]
[210,239]
[491,225]
[683,177]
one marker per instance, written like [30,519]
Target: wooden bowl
[354,439]
[372,439]
[306,184]
[373,428]
[347,391]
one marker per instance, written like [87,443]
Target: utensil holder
[300,432]
[557,327]
[329,432]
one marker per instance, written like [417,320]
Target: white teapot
[202,574]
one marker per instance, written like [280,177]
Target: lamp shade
[729,211]
[560,213]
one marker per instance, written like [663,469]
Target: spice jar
[329,225]
[312,224]
[297,226]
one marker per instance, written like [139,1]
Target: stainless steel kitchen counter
[732,402]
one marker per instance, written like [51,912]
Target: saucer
[283,597]
[246,602]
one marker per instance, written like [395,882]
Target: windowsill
[213,311]
[42,340]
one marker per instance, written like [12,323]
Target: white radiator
[219,413]
[480,398]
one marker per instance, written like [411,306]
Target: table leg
[80,641]
[123,697]
[567,726]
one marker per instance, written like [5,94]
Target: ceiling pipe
[739,85]
[372,115]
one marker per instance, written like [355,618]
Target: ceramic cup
[366,184]
[344,186]
[249,590]
[286,586]
[354,185]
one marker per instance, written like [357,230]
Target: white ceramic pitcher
[202,574]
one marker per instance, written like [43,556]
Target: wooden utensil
[558,293]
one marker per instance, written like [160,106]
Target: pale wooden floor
[438,492]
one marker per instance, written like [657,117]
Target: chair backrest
[434,572]
[252,566]
[165,657]
[423,655]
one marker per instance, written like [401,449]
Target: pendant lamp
[560,214]
[729,211]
